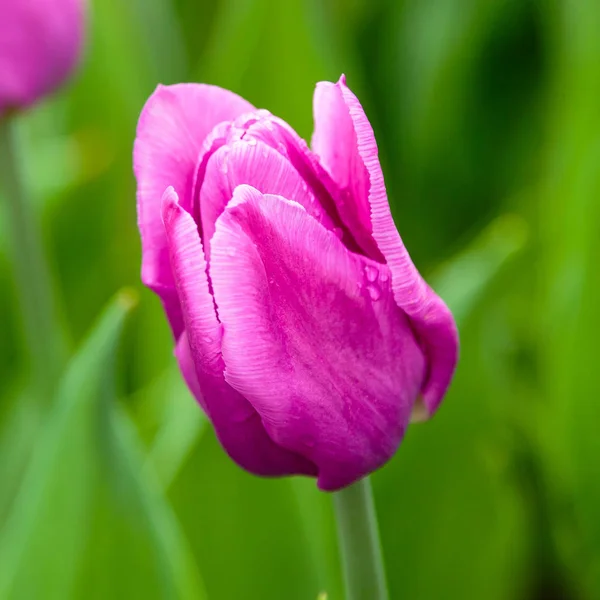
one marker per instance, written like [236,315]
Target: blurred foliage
[486,115]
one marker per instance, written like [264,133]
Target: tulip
[302,327]
[40,43]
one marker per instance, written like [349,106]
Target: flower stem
[362,561]
[45,342]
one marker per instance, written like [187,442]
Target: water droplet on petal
[371,273]
[384,277]
[374,292]
[251,142]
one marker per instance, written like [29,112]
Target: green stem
[362,561]
[43,335]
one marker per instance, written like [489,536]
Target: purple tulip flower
[302,327]
[40,43]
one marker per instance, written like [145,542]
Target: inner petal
[252,162]
[261,127]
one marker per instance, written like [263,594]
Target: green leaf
[88,522]
[571,296]
[180,420]
[245,531]
[19,427]
[464,279]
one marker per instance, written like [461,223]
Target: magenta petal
[312,337]
[255,163]
[334,141]
[170,134]
[237,424]
[345,142]
[306,163]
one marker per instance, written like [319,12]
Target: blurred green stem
[362,561]
[43,336]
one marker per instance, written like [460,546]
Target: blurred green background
[487,115]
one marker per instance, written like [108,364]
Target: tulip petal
[312,337]
[345,142]
[170,134]
[252,162]
[334,141]
[283,138]
[236,423]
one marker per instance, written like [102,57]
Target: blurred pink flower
[302,327]
[40,43]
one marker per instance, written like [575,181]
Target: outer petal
[237,424]
[40,43]
[170,134]
[255,163]
[312,337]
[345,141]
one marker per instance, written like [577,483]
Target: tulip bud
[302,326]
[40,43]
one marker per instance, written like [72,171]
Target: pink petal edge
[432,320]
